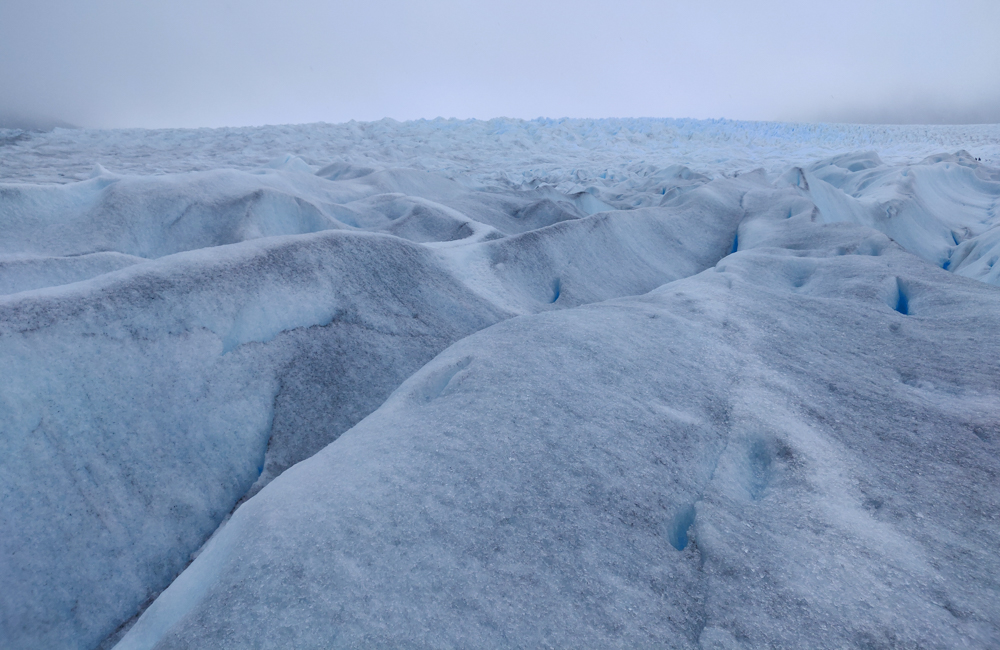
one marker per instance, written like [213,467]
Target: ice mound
[602,383]
[707,465]
[942,209]
[224,366]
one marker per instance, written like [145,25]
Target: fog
[111,63]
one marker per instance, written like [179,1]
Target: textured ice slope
[172,342]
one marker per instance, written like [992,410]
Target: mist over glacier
[588,383]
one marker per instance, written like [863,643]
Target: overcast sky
[118,63]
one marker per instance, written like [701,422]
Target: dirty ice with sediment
[550,383]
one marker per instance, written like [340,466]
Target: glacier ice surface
[564,383]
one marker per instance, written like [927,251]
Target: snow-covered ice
[581,383]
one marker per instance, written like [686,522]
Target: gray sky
[118,63]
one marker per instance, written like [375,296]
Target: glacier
[599,383]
